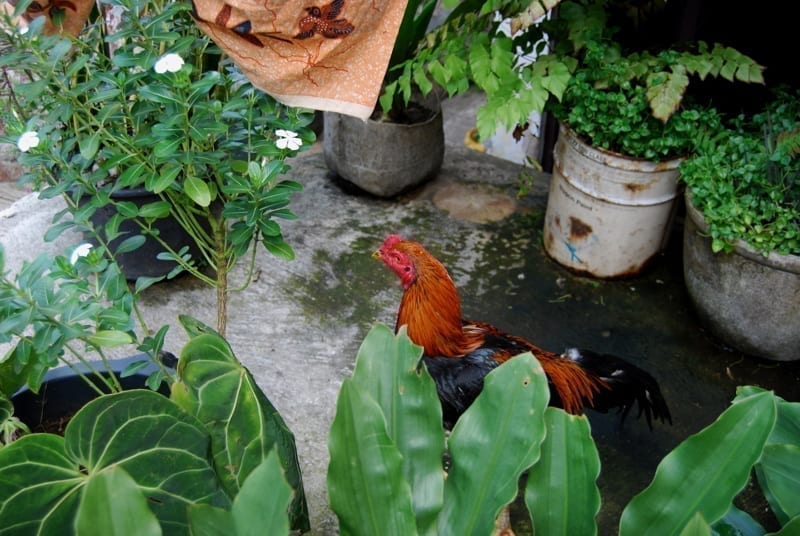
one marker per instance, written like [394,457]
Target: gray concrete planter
[749,301]
[383,158]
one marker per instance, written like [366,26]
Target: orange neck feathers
[431,309]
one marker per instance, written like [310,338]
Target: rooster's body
[460,353]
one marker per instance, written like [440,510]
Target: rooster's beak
[376,254]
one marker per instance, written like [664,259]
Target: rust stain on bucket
[579,228]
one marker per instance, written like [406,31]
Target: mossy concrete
[299,325]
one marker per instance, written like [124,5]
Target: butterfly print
[323,20]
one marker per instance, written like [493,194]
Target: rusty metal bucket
[607,214]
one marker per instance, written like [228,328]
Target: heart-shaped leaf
[244,425]
[164,450]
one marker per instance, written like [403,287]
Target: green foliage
[10,426]
[211,145]
[560,490]
[222,394]
[471,47]
[387,443]
[136,462]
[619,118]
[481,43]
[59,308]
[633,103]
[714,463]
[746,180]
[388,407]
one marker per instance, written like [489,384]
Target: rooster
[459,353]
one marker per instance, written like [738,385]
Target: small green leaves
[198,191]
[110,338]
[746,182]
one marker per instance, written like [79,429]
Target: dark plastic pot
[63,392]
[144,262]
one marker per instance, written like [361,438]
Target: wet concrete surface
[299,325]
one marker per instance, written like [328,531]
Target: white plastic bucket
[607,214]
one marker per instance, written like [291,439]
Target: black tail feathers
[627,384]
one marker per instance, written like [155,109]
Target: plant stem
[218,228]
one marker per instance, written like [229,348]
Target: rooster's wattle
[460,353]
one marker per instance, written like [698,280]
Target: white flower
[81,251]
[288,139]
[168,63]
[28,141]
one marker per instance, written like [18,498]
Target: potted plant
[624,129]
[401,144]
[139,462]
[442,48]
[742,234]
[152,105]
[164,112]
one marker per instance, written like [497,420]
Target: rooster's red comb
[392,240]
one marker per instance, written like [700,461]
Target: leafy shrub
[746,180]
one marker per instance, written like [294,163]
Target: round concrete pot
[607,214]
[383,158]
[749,301]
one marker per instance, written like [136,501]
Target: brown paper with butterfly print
[320,54]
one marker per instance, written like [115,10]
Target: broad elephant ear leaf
[492,443]
[561,493]
[39,485]
[163,450]
[715,464]
[243,423]
[387,370]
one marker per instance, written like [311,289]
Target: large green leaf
[39,486]
[365,479]
[779,474]
[387,370]
[262,505]
[705,471]
[777,468]
[207,520]
[492,443]
[561,493]
[126,514]
[163,449]
[244,425]
[696,526]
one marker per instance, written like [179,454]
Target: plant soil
[411,114]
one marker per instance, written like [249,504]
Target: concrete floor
[299,325]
